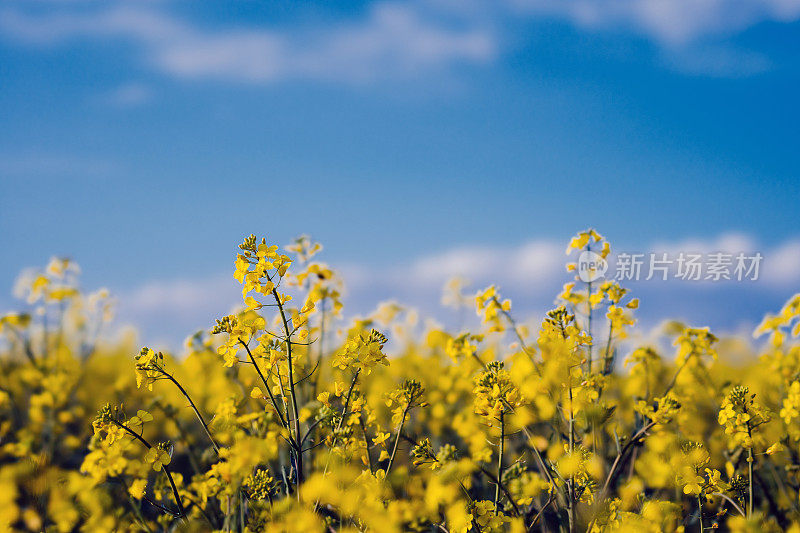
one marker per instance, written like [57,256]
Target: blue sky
[144,139]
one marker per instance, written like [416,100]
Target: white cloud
[535,264]
[783,266]
[670,22]
[470,262]
[727,242]
[392,40]
[166,311]
[531,274]
[181,295]
[118,21]
[692,36]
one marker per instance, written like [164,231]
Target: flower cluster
[495,393]
[741,416]
[363,351]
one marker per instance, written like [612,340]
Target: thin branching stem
[366,442]
[194,408]
[731,501]
[397,438]
[616,465]
[296,411]
[750,480]
[266,385]
[181,510]
[700,511]
[345,406]
[500,461]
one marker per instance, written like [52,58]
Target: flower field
[285,416]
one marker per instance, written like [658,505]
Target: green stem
[500,461]
[347,400]
[366,443]
[341,419]
[571,491]
[178,501]
[589,326]
[607,356]
[522,343]
[700,511]
[618,461]
[750,483]
[266,385]
[397,440]
[138,513]
[194,408]
[296,411]
[321,345]
[674,379]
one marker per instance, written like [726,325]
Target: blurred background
[416,140]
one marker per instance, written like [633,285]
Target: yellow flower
[158,457]
[137,488]
[380,437]
[775,448]
[693,485]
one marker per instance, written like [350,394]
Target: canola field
[286,417]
